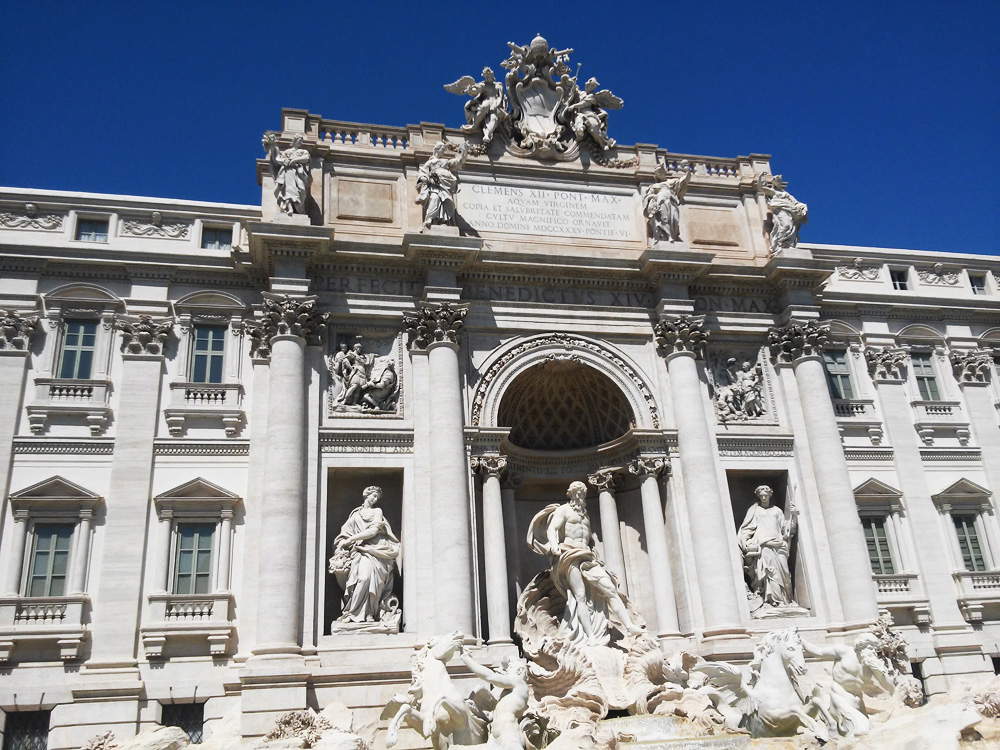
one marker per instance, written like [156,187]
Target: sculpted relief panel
[364,376]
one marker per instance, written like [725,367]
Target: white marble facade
[537,337]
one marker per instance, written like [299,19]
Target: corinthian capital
[284,315]
[680,333]
[971,365]
[797,339]
[886,363]
[15,331]
[489,466]
[603,480]
[433,322]
[648,466]
[142,334]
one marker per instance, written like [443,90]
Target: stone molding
[434,322]
[143,335]
[64,447]
[178,448]
[757,447]
[593,353]
[285,315]
[16,330]
[972,365]
[489,466]
[797,339]
[649,466]
[364,441]
[885,363]
[869,454]
[680,333]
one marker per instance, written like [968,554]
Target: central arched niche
[561,405]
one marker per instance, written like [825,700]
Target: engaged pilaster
[434,328]
[611,535]
[491,468]
[681,340]
[287,325]
[799,344]
[649,469]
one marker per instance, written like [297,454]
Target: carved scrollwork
[138,226]
[489,465]
[143,335]
[859,270]
[434,322]
[797,339]
[29,218]
[284,315]
[938,275]
[971,365]
[680,333]
[886,363]
[15,330]
[649,466]
[603,480]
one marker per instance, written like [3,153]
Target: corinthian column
[494,547]
[648,469]
[680,339]
[434,328]
[611,534]
[800,344]
[287,325]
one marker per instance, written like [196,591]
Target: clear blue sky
[883,116]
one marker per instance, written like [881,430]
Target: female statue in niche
[364,563]
[765,538]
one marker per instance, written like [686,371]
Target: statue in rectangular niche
[363,381]
[765,539]
[364,563]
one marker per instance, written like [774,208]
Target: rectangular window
[209,350]
[92,230]
[968,541]
[26,730]
[193,561]
[978,281]
[216,238]
[188,716]
[49,558]
[878,545]
[838,373]
[78,349]
[923,371]
[898,277]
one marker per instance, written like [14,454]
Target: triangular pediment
[874,489]
[55,487]
[198,489]
[963,488]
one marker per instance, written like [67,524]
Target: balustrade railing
[894,583]
[854,408]
[367,136]
[40,612]
[937,411]
[189,610]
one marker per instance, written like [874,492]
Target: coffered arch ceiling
[563,404]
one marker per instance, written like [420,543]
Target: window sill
[82,399]
[220,402]
[45,619]
[186,617]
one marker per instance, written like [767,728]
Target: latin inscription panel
[548,212]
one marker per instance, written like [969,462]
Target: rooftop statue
[437,183]
[486,110]
[290,170]
[661,202]
[787,213]
[586,113]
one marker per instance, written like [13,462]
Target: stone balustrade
[222,402]
[854,408]
[933,418]
[86,400]
[55,620]
[204,618]
[339,133]
[894,583]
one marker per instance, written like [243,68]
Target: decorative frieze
[755,447]
[364,441]
[30,218]
[971,365]
[16,331]
[154,226]
[434,322]
[886,363]
[680,333]
[284,315]
[177,448]
[797,339]
[65,447]
[489,466]
[859,270]
[938,275]
[649,466]
[143,335]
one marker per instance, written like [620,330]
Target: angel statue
[486,110]
[661,202]
[587,114]
[437,183]
[787,213]
[291,174]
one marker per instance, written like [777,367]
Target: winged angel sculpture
[543,105]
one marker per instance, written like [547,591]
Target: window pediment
[194,497]
[963,489]
[874,489]
[54,494]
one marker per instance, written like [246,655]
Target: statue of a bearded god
[291,174]
[765,538]
[364,563]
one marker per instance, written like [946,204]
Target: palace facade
[193,397]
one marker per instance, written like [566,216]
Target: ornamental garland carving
[886,363]
[29,218]
[680,333]
[797,339]
[937,275]
[143,335]
[859,270]
[284,315]
[649,466]
[16,331]
[434,322]
[971,365]
[489,466]
[137,226]
[570,342]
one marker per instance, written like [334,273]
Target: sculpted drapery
[764,539]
